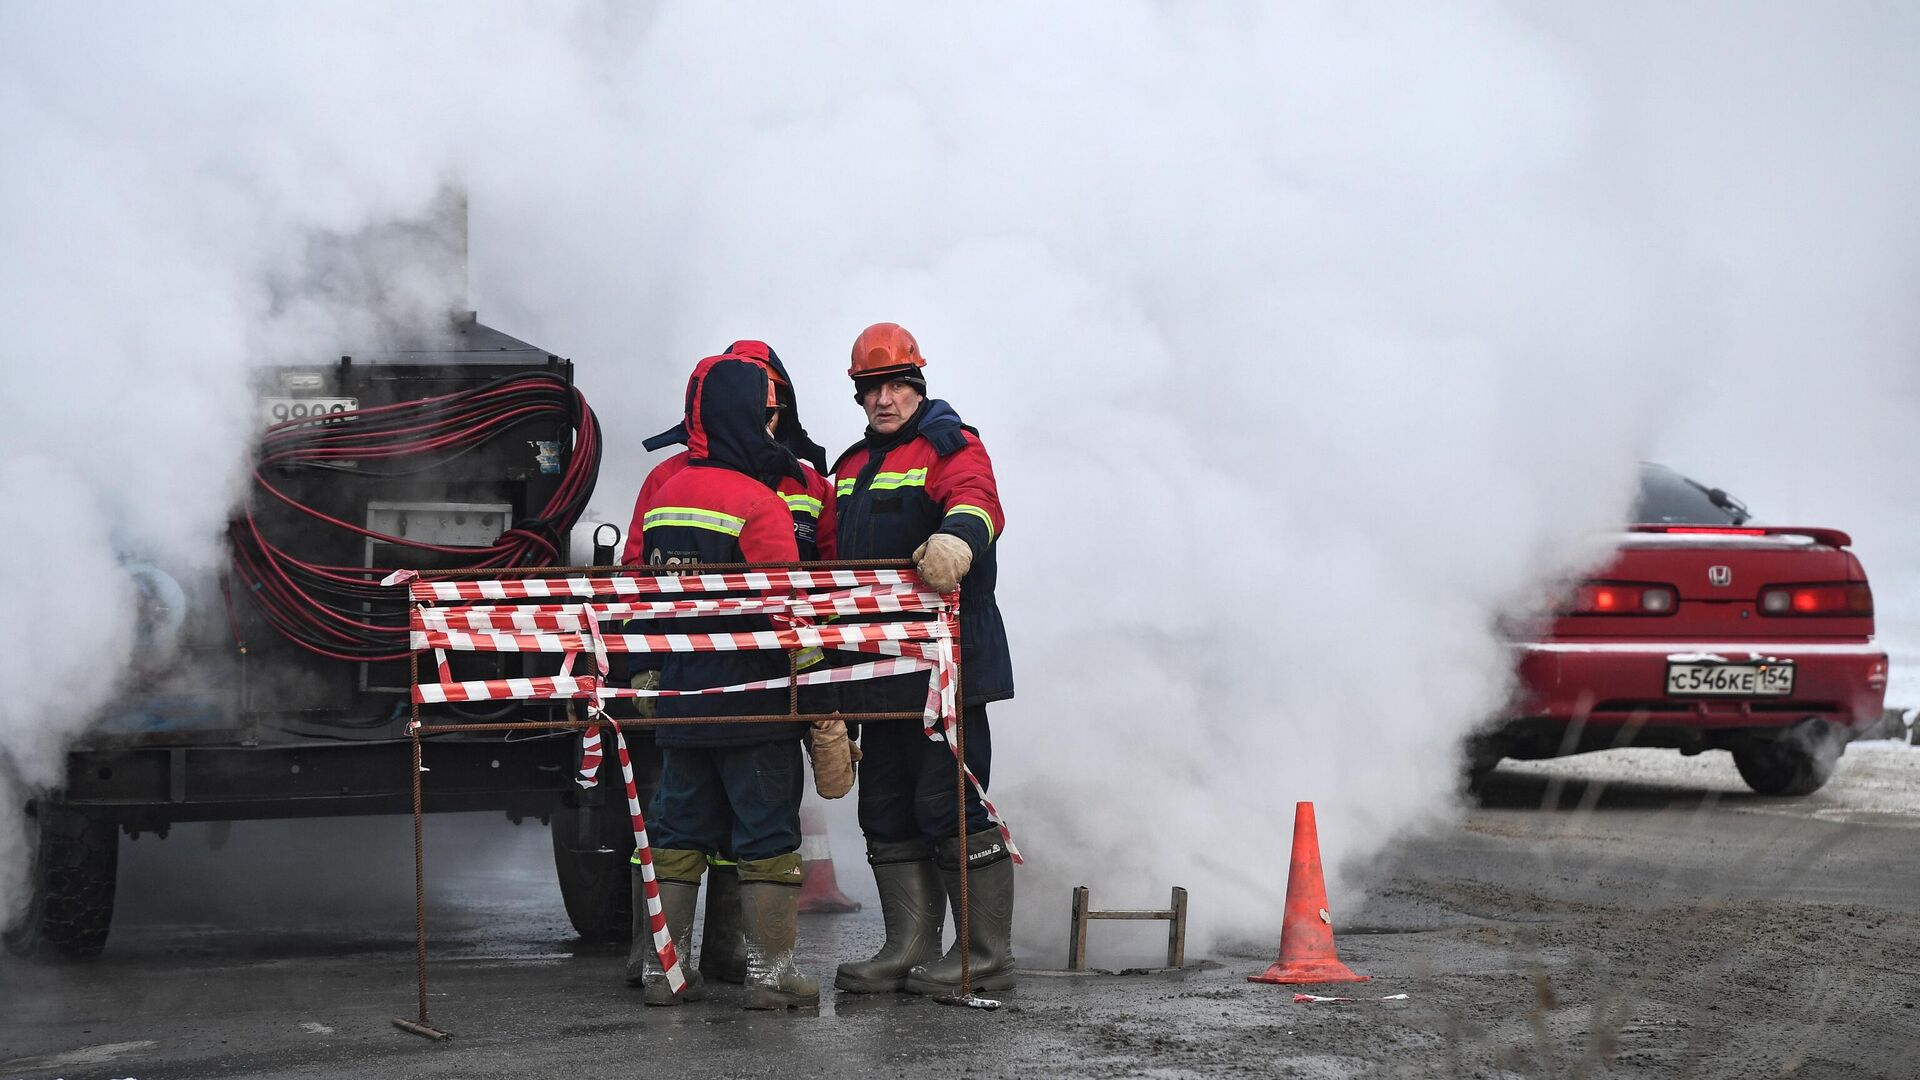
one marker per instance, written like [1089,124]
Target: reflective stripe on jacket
[709,509]
[810,505]
[894,491]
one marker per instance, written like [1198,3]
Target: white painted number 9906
[282,410]
[300,410]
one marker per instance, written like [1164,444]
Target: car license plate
[1774,678]
[279,410]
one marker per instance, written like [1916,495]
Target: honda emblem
[1721,576]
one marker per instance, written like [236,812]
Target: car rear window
[1667,498]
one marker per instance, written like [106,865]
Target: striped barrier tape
[539,688]
[426,592]
[642,846]
[942,716]
[589,687]
[571,629]
[799,637]
[574,617]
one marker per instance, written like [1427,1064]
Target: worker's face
[890,405]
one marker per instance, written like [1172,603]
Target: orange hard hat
[884,347]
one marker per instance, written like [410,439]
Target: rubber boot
[989,918]
[678,901]
[769,911]
[913,904]
[723,944]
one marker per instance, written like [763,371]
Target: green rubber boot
[913,905]
[769,910]
[989,918]
[679,899]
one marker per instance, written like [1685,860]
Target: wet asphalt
[1628,914]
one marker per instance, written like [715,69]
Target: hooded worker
[725,789]
[809,500]
[919,485]
[809,496]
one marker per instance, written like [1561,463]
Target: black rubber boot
[723,943]
[989,918]
[913,904]
[769,911]
[678,900]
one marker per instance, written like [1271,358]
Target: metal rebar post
[419,1027]
[960,786]
[961,917]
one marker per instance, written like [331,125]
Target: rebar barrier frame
[422,1026]
[1175,914]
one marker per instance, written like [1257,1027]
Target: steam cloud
[1306,339]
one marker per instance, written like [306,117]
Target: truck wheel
[76,859]
[591,849]
[1798,763]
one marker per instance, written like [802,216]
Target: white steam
[1304,338]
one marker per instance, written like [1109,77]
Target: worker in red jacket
[726,788]
[919,485]
[809,501]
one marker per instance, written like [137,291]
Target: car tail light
[1714,530]
[1623,598]
[1840,598]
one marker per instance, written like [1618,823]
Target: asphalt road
[1627,914]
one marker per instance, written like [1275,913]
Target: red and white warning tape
[535,689]
[573,629]
[590,757]
[425,592]
[574,617]
[799,637]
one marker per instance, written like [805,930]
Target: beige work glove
[942,561]
[645,680]
[833,758]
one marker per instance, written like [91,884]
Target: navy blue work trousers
[907,781]
[739,802]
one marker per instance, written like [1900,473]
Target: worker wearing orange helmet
[919,485]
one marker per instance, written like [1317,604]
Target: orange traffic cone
[1306,937]
[819,889]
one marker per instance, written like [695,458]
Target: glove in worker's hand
[645,680]
[942,561]
[833,758]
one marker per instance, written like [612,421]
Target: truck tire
[1798,763]
[76,860]
[592,846]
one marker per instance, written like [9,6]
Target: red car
[1706,632]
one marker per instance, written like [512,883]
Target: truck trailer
[279,686]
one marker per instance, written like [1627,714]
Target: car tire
[1800,762]
[72,879]
[592,849]
[1475,773]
